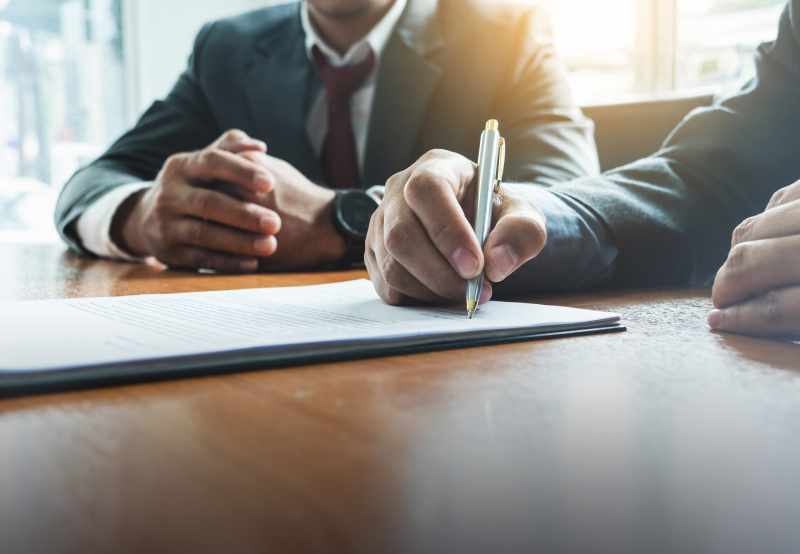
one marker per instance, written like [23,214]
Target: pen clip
[501,164]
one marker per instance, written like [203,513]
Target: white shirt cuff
[94,225]
[377,193]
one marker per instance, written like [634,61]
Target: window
[623,49]
[64,93]
[717,38]
[62,98]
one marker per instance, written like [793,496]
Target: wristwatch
[352,211]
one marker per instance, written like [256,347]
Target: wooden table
[665,439]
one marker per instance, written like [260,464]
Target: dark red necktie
[339,153]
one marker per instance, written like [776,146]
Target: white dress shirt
[94,225]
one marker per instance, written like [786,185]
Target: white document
[160,332]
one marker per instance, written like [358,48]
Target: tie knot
[342,82]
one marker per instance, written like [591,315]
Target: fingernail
[264,245]
[269,222]
[503,260]
[261,179]
[715,319]
[465,263]
[249,266]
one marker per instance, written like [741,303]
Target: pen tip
[472,307]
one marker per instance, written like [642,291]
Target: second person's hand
[757,290]
[421,246]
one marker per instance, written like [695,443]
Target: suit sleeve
[182,122]
[551,141]
[671,216]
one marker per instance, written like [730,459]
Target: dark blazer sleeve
[671,216]
[550,140]
[180,123]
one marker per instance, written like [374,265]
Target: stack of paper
[57,342]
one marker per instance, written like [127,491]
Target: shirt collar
[376,39]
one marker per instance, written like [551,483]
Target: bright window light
[623,49]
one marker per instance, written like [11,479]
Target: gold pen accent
[472,307]
[501,164]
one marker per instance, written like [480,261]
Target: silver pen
[491,161]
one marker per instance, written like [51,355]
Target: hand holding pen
[421,247]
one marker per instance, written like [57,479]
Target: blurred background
[75,73]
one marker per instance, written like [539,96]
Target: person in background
[266,152]
[675,218]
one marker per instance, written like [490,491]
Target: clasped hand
[232,208]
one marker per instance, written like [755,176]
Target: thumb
[519,235]
[236,141]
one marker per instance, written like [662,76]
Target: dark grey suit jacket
[449,66]
[671,215]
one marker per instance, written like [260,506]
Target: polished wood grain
[665,439]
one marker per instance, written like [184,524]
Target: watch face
[355,211]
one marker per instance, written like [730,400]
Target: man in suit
[264,153]
[662,221]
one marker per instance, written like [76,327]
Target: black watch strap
[351,214]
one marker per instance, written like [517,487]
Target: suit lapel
[279,86]
[407,80]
